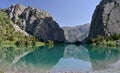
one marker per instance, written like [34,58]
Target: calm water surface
[57,59]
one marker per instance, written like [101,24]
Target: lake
[60,59]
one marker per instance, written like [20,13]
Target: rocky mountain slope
[77,33]
[36,22]
[11,32]
[106,19]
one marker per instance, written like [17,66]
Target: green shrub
[111,43]
[91,41]
[8,33]
[98,43]
[1,72]
[115,36]
[118,44]
[50,43]
[99,38]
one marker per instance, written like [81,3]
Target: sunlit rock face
[77,33]
[106,19]
[36,22]
[15,11]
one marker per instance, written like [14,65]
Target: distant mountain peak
[76,33]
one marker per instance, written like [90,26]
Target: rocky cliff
[76,34]
[10,32]
[106,19]
[36,22]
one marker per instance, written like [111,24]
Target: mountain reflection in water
[60,58]
[75,59]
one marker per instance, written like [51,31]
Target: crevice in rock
[107,20]
[116,4]
[108,15]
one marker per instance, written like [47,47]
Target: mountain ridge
[36,22]
[76,33]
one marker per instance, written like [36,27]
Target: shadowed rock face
[36,22]
[106,19]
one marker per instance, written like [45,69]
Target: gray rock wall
[36,22]
[106,19]
[77,33]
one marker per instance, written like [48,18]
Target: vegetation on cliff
[113,40]
[8,34]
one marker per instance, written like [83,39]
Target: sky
[64,12]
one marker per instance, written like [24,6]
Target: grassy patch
[2,14]
[8,35]
[13,44]
[1,71]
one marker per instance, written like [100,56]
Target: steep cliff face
[77,33]
[106,19]
[11,32]
[36,22]
[15,11]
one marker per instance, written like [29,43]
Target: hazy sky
[64,12]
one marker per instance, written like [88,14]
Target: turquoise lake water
[57,59]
